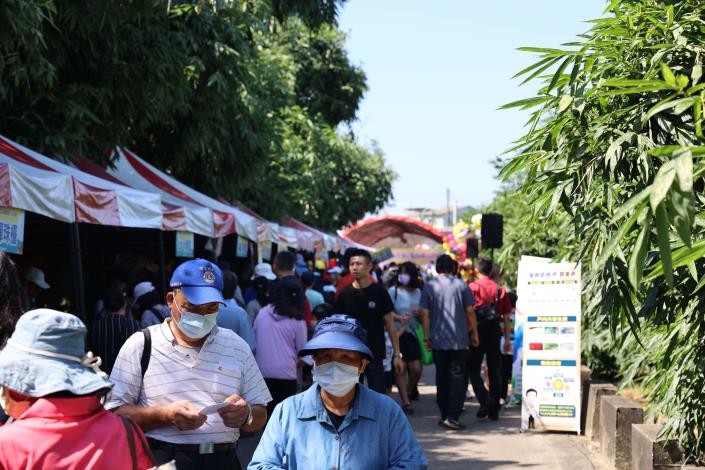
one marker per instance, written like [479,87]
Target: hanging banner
[549,315]
[265,249]
[11,230]
[241,249]
[184,244]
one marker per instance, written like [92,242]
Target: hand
[398,365]
[507,347]
[474,339]
[185,416]
[429,345]
[235,413]
[404,320]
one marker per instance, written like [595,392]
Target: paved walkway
[484,445]
[496,445]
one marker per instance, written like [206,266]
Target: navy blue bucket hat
[338,332]
[201,281]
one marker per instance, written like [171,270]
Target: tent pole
[162,264]
[79,301]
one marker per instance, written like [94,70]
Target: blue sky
[437,72]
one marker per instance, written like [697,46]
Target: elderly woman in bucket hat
[353,427]
[52,390]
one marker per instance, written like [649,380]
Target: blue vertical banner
[184,244]
[11,230]
[241,248]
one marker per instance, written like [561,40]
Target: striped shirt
[107,337]
[221,367]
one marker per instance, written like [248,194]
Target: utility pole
[448,214]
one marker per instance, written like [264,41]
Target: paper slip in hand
[209,410]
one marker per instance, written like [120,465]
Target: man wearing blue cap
[190,385]
[338,422]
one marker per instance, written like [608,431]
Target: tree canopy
[615,144]
[240,99]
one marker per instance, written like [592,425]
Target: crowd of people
[181,376]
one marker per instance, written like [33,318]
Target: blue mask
[196,326]
[336,378]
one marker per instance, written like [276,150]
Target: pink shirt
[279,339]
[68,434]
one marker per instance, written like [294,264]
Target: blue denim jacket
[375,434]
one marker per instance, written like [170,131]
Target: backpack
[146,351]
[488,314]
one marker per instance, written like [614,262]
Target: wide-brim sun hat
[46,354]
[264,270]
[338,332]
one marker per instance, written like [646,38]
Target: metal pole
[77,270]
[162,264]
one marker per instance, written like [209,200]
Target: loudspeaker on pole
[492,230]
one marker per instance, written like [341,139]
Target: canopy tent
[187,218]
[266,230]
[33,182]
[314,238]
[225,219]
[375,230]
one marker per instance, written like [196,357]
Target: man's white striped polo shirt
[204,376]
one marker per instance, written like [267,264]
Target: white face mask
[193,325]
[404,279]
[336,378]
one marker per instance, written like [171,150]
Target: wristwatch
[248,420]
[399,355]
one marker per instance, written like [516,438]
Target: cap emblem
[209,276]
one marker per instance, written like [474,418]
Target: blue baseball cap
[201,281]
[338,332]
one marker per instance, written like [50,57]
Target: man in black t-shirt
[371,306]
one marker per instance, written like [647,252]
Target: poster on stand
[549,315]
[242,247]
[11,230]
[184,244]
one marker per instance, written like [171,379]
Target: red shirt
[485,292]
[68,434]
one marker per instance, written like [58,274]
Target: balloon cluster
[454,242]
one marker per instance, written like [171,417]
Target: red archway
[372,230]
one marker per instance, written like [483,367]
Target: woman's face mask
[404,279]
[336,378]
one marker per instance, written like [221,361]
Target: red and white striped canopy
[33,182]
[224,219]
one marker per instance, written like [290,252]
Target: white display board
[548,308]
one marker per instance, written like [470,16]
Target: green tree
[219,94]
[614,141]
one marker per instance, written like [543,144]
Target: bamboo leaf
[632,203]
[668,76]
[681,105]
[611,245]
[641,247]
[664,243]
[662,183]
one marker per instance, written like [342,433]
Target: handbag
[426,355]
[489,313]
